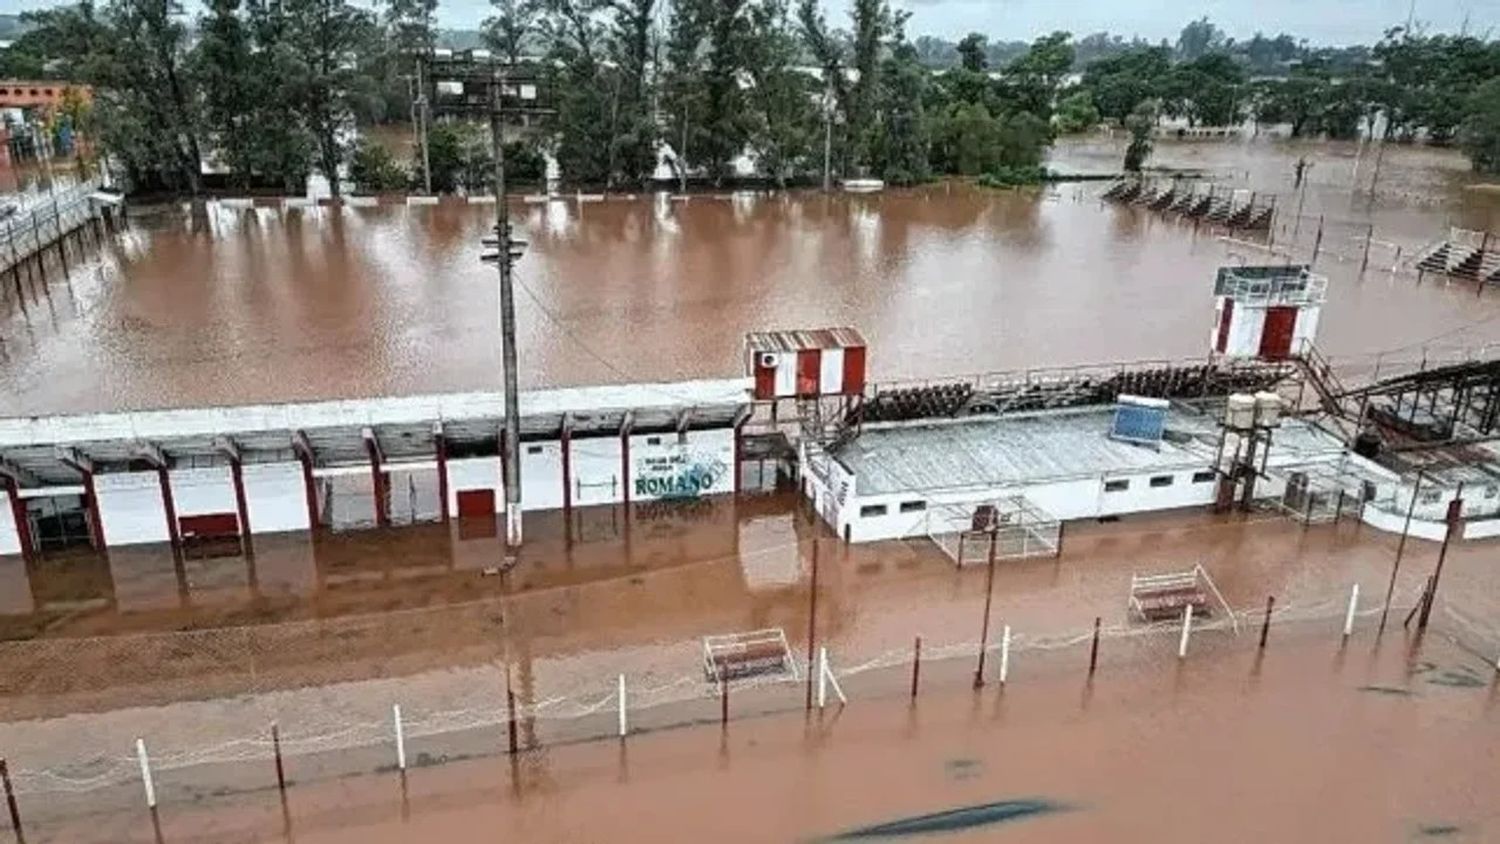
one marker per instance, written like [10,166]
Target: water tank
[1240,412]
[1267,410]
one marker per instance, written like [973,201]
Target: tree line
[271,91]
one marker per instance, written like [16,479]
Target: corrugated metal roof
[1030,448]
[791,341]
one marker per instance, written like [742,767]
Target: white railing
[30,231]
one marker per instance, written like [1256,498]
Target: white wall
[701,456]
[471,473]
[1078,498]
[275,496]
[199,491]
[130,508]
[10,538]
[596,471]
[1245,330]
[541,475]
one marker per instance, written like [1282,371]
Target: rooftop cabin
[1267,312]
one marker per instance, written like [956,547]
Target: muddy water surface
[234,305]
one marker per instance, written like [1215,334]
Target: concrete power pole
[507,323]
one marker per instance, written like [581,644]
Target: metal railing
[28,232]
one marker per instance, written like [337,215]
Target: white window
[871,510]
[1116,486]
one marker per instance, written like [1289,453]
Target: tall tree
[682,84]
[1032,80]
[873,22]
[324,37]
[223,65]
[785,123]
[1199,38]
[1479,134]
[512,25]
[902,144]
[632,124]
[972,53]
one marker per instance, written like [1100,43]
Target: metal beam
[303,446]
[22,477]
[440,445]
[627,424]
[151,453]
[229,448]
[76,459]
[377,476]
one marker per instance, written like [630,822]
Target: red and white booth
[805,364]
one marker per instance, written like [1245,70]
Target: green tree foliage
[971,53]
[510,29]
[324,38]
[1122,82]
[1199,38]
[1075,113]
[785,123]
[901,144]
[1479,132]
[1140,123]
[373,169]
[1032,80]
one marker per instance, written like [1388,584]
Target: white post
[1349,616]
[400,738]
[140,752]
[822,677]
[624,725]
[833,680]
[1187,631]
[1004,653]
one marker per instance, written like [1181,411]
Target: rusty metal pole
[1265,624]
[276,748]
[510,703]
[1390,589]
[10,802]
[812,623]
[1094,651]
[1365,261]
[724,702]
[916,666]
[984,629]
[1455,518]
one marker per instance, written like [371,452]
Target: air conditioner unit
[769,360]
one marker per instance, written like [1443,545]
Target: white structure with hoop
[1017,528]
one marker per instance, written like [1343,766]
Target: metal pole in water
[1390,589]
[400,738]
[916,666]
[724,702]
[1349,615]
[10,801]
[276,748]
[812,623]
[1455,517]
[1094,651]
[624,723]
[822,677]
[140,754]
[1265,625]
[1187,631]
[1004,653]
[984,630]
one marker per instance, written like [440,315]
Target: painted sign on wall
[677,475]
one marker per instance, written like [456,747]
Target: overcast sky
[1319,21]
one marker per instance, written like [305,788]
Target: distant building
[23,93]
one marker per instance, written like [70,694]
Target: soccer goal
[1015,526]
[757,653]
[1165,597]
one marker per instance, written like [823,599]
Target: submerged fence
[29,232]
[188,715]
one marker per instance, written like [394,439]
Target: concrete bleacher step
[1436,261]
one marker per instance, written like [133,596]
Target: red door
[854,370]
[765,380]
[1225,319]
[1276,336]
[476,503]
[809,371]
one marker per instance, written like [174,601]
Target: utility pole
[495,89]
[419,105]
[828,138]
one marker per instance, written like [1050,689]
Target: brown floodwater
[234,305]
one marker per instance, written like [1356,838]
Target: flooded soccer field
[236,305]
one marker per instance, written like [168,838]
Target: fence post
[624,722]
[916,665]
[400,737]
[1369,236]
[822,677]
[1318,243]
[1349,615]
[140,754]
[1094,650]
[10,801]
[724,702]
[1187,631]
[276,748]
[1265,625]
[1004,653]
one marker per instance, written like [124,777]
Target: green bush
[1010,177]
